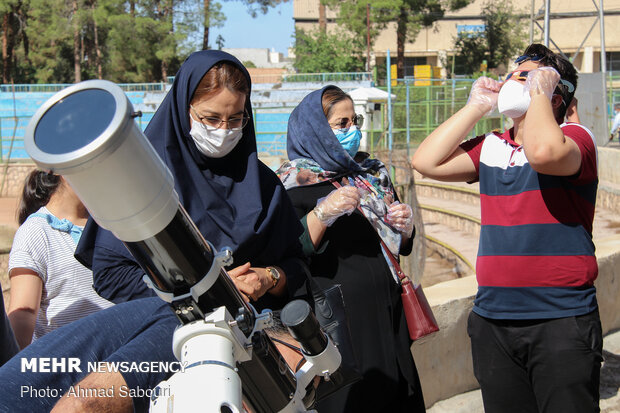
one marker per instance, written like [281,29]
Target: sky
[273,30]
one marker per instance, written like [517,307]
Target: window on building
[410,62]
[613,62]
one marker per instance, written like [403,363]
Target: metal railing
[328,77]
[421,105]
[46,88]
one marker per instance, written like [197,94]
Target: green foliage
[322,52]
[262,6]
[47,41]
[410,17]
[502,38]
[352,15]
[219,42]
[249,64]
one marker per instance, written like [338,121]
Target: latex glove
[542,80]
[400,216]
[484,93]
[339,202]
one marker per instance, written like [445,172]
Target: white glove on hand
[484,93]
[338,203]
[542,80]
[400,216]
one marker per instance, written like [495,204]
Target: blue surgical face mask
[349,139]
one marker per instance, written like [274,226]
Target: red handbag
[420,319]
[418,313]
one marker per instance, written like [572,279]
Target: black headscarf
[236,200]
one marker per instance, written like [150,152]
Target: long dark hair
[37,191]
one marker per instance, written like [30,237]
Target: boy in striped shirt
[535,328]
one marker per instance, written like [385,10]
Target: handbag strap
[399,271]
[314,286]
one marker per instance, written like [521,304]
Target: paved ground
[8,208]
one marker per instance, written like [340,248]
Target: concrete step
[460,199]
[448,191]
[445,239]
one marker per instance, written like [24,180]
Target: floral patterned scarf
[374,185]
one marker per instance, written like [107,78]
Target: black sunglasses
[344,123]
[522,75]
[530,56]
[518,75]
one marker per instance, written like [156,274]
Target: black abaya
[350,254]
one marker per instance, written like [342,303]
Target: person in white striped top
[49,287]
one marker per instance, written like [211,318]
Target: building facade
[574,29]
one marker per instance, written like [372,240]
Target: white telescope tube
[86,133]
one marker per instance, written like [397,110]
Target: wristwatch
[275,276]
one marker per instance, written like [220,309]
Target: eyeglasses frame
[569,85]
[357,120]
[245,119]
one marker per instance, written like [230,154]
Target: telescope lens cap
[295,312]
[75,121]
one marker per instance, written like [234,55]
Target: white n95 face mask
[513,100]
[215,143]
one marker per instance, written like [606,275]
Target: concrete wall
[609,165]
[608,195]
[444,359]
[593,105]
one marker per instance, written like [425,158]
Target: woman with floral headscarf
[347,204]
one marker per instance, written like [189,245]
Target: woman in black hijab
[204,133]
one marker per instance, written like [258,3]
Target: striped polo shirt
[536,256]
[67,293]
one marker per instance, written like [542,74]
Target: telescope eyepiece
[301,322]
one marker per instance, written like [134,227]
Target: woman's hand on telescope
[253,282]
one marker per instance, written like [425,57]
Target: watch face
[275,275]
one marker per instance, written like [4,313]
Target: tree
[64,41]
[219,42]
[501,39]
[413,15]
[213,17]
[76,25]
[12,18]
[256,6]
[322,52]
[51,40]
[410,17]
[352,16]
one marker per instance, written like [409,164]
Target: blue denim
[135,331]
